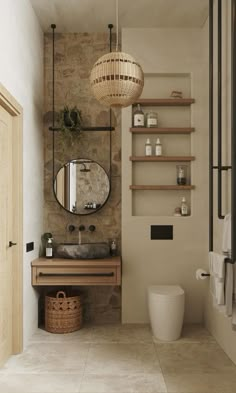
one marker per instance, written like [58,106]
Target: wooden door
[6,233]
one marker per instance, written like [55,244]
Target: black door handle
[12,244]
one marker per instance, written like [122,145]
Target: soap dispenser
[49,248]
[113,248]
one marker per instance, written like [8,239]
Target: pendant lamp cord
[110,26]
[53,26]
[117,24]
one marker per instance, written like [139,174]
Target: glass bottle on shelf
[184,207]
[138,117]
[158,147]
[151,119]
[181,175]
[148,148]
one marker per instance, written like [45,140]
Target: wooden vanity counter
[59,271]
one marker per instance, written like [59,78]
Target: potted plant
[70,119]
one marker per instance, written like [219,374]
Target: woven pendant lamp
[116,78]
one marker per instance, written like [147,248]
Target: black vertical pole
[211,200]
[219,56]
[233,128]
[53,26]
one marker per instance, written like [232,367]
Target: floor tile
[193,358]
[119,358]
[122,359]
[200,383]
[192,333]
[105,334]
[40,383]
[196,333]
[49,357]
[127,333]
[138,333]
[139,383]
[83,335]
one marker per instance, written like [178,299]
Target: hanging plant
[70,119]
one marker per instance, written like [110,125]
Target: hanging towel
[226,238]
[229,288]
[234,299]
[234,317]
[217,277]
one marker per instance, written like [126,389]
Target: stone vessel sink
[82,251]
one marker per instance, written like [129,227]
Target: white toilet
[166,311]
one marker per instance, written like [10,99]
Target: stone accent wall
[75,55]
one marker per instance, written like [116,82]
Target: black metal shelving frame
[54,129]
[94,128]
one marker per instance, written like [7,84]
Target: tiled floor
[124,359]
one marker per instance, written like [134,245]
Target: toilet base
[166,310]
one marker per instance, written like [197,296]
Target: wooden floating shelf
[165,101]
[156,130]
[161,158]
[168,188]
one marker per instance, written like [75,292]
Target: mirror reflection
[81,186]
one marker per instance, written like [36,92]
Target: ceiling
[94,15]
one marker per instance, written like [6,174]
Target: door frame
[9,103]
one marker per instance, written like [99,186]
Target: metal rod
[205,274]
[53,26]
[211,220]
[223,168]
[219,109]
[110,26]
[110,274]
[229,260]
[233,130]
[105,128]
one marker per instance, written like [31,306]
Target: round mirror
[82,186]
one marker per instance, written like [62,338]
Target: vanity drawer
[75,276]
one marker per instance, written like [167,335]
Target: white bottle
[184,207]
[49,248]
[158,148]
[148,148]
[113,248]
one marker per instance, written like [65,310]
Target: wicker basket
[62,314]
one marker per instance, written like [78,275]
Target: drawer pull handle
[110,274]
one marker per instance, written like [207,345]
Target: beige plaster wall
[167,52]
[75,55]
[217,324]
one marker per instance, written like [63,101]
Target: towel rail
[227,260]
[233,130]
[219,110]
[219,167]
[211,220]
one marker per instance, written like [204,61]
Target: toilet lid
[173,290]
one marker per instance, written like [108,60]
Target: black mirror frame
[93,210]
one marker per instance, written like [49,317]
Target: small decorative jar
[151,119]
[177,212]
